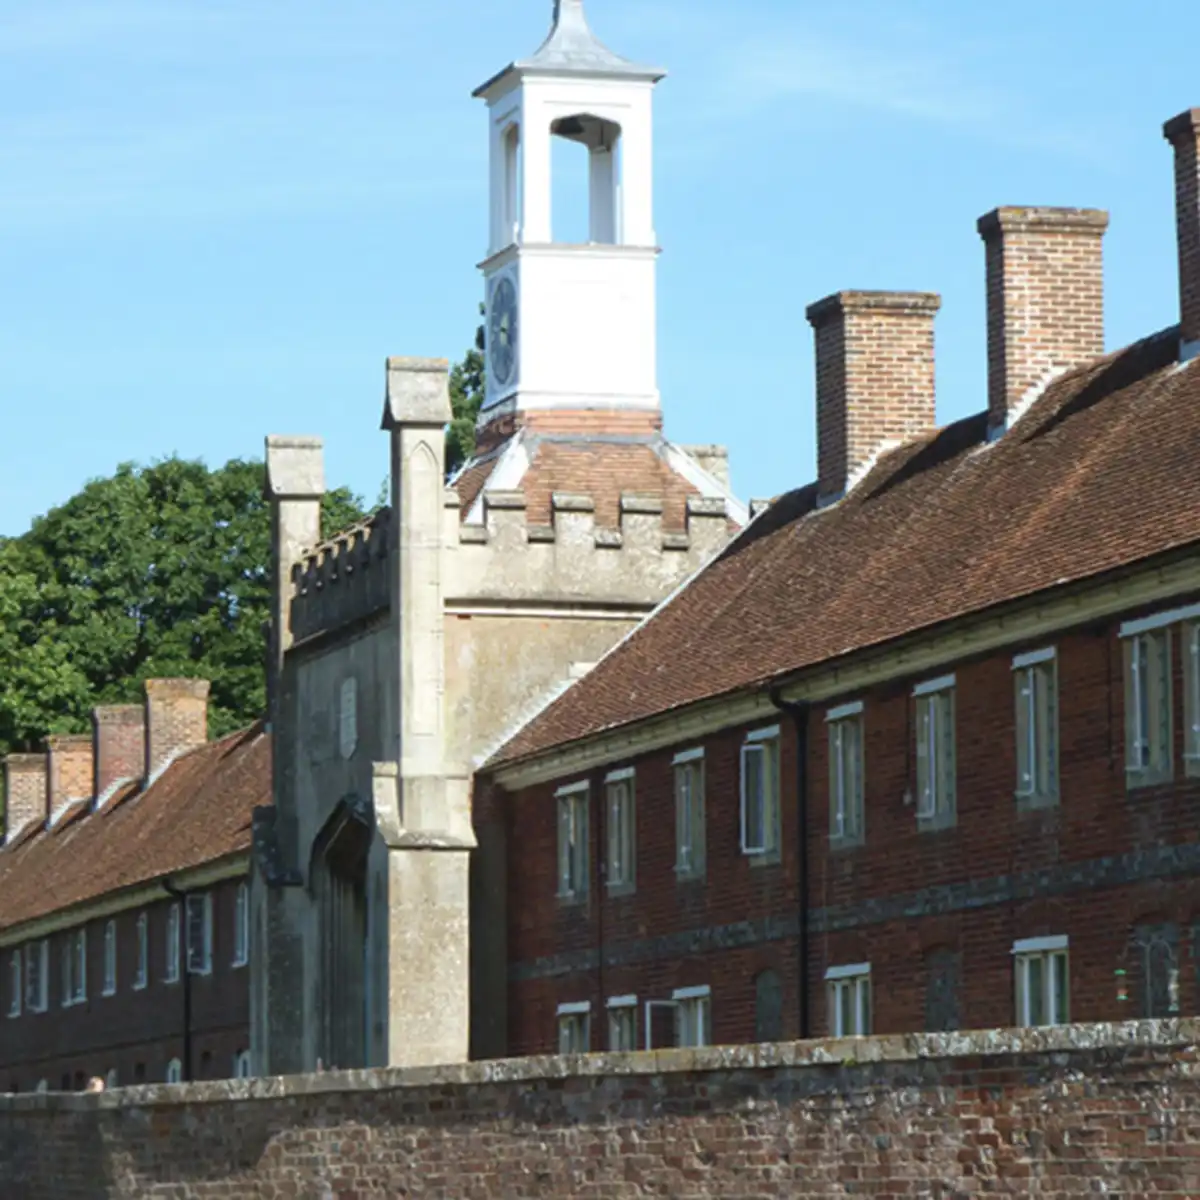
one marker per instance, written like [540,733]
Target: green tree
[157,571]
[467,382]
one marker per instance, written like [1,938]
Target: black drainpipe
[799,714]
[181,897]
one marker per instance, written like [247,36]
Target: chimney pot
[176,720]
[1045,298]
[25,792]
[119,736]
[875,378]
[1183,132]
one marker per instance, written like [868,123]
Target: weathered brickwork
[935,913]
[136,1031]
[1086,1110]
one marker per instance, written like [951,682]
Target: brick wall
[135,1031]
[1088,1109]
[936,914]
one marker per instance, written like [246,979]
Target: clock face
[502,331]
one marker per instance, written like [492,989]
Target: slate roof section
[1089,480]
[198,811]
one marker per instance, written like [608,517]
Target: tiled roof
[1090,479]
[197,811]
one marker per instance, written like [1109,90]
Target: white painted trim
[763,735]
[505,477]
[1159,620]
[572,789]
[574,1008]
[620,774]
[692,993]
[621,1002]
[843,711]
[1033,657]
[848,971]
[687,756]
[941,684]
[682,463]
[612,612]
[1055,941]
[976,634]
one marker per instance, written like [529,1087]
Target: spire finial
[567,10]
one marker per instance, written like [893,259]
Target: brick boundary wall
[1082,1110]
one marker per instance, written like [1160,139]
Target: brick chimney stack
[69,767]
[176,720]
[119,744]
[875,378]
[1183,132]
[24,791]
[1045,298]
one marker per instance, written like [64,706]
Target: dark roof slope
[197,811]
[1090,479]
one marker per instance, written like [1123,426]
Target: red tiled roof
[1089,480]
[197,811]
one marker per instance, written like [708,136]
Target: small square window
[689,815]
[620,871]
[574,1028]
[1042,981]
[573,842]
[848,994]
[760,836]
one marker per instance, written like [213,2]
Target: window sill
[571,899]
[771,858]
[107,993]
[620,889]
[1141,780]
[689,875]
[1036,803]
[238,964]
[937,824]
[840,844]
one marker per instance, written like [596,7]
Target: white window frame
[1148,702]
[241,925]
[1190,642]
[241,1065]
[1035,678]
[37,954]
[199,959]
[937,769]
[846,783]
[174,938]
[142,972]
[575,1017]
[620,806]
[1046,951]
[764,743]
[110,958]
[573,817]
[74,968]
[693,1016]
[850,981]
[621,1009]
[690,845]
[16,978]
[174,1073]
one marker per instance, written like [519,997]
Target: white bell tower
[571,325]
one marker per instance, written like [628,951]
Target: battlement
[343,579]
[572,559]
[507,559]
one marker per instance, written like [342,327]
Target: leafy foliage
[158,571]
[467,383]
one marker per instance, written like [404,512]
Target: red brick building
[124,911]
[921,748]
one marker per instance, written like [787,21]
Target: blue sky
[218,217]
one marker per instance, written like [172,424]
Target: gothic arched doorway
[339,878]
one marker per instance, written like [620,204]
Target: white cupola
[571,325]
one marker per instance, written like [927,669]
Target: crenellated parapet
[344,579]
[574,560]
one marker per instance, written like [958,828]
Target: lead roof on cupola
[571,48]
